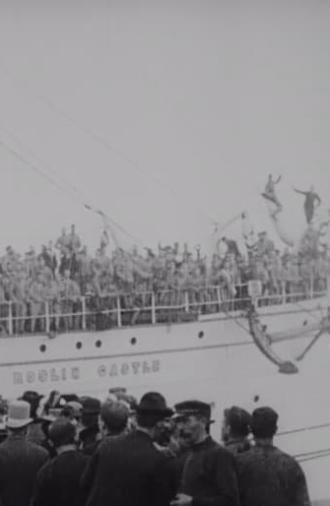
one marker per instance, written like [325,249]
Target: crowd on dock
[75,451]
[63,273]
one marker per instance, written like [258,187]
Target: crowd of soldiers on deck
[63,273]
[66,450]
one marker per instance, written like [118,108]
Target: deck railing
[93,312]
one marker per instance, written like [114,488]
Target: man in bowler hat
[89,435]
[209,474]
[128,469]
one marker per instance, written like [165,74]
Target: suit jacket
[20,461]
[58,481]
[129,471]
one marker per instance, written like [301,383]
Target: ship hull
[216,348]
[214,359]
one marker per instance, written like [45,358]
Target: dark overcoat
[58,481]
[209,475]
[269,477]
[129,471]
[20,461]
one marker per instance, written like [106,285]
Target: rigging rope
[315,456]
[62,188]
[98,138]
[312,453]
[303,429]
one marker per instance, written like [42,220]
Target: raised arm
[299,191]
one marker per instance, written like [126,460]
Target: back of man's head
[264,423]
[238,420]
[62,432]
[114,415]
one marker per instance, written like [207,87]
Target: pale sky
[206,97]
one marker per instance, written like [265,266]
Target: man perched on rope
[269,192]
[309,205]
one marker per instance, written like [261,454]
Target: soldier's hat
[192,407]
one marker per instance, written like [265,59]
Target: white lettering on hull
[65,374]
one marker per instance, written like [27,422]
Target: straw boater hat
[18,415]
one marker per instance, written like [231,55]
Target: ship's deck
[95,313]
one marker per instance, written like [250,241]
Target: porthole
[98,343]
[200,334]
[256,398]
[78,345]
[43,348]
[133,340]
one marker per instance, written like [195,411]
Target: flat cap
[193,407]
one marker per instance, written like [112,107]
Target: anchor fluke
[288,367]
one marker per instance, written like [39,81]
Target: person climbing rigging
[309,205]
[269,192]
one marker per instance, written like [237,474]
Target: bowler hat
[31,395]
[18,415]
[33,398]
[91,406]
[153,403]
[193,407]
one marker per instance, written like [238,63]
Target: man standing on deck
[309,205]
[209,474]
[269,192]
[70,294]
[266,475]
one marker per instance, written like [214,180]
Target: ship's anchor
[263,342]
